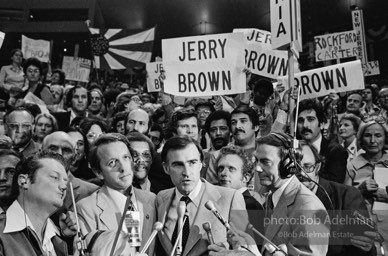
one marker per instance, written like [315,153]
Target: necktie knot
[185,199]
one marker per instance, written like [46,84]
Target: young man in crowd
[182,159]
[310,120]
[112,161]
[218,127]
[8,161]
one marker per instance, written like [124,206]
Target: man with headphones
[294,215]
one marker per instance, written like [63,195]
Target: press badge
[132,222]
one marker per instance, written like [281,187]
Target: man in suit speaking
[182,159]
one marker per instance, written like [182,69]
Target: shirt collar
[16,221]
[193,194]
[146,185]
[361,161]
[278,193]
[352,148]
[317,143]
[119,199]
[242,190]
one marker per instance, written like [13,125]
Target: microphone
[250,226]
[181,219]
[157,227]
[210,206]
[206,226]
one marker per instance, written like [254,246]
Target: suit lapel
[162,215]
[60,246]
[287,198]
[201,216]
[110,214]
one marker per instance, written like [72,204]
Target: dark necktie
[269,206]
[186,227]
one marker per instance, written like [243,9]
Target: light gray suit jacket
[300,221]
[230,205]
[99,212]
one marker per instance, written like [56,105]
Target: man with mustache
[217,125]
[142,151]
[18,126]
[310,121]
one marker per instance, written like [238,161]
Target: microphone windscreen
[158,226]
[210,206]
[206,226]
[181,209]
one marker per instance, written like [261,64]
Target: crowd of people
[75,158]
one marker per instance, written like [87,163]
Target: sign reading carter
[204,65]
[321,81]
[336,46]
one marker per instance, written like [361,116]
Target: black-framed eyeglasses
[310,168]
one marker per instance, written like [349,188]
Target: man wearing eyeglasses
[18,126]
[142,151]
[8,161]
[340,201]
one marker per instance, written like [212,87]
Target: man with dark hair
[218,127]
[142,151]
[185,122]
[182,160]
[353,104]
[39,185]
[78,100]
[18,126]
[310,121]
[156,135]
[58,77]
[111,160]
[244,124]
[289,200]
[8,161]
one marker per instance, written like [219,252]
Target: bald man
[138,120]
[61,143]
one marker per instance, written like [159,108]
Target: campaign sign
[153,73]
[321,81]
[371,68]
[39,49]
[336,46]
[255,36]
[204,65]
[76,69]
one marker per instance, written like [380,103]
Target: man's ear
[165,168]
[98,173]
[256,128]
[247,178]
[23,181]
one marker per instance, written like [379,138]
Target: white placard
[286,24]
[321,81]
[336,46]
[371,68]
[153,73]
[2,36]
[39,49]
[255,36]
[204,65]
[381,178]
[358,27]
[266,62]
[76,69]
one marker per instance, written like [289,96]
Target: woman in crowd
[93,128]
[13,75]
[118,123]
[34,72]
[44,125]
[347,131]
[362,172]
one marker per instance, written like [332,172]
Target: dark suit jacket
[31,149]
[63,119]
[346,199]
[256,215]
[100,212]
[26,243]
[336,158]
[298,203]
[230,205]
